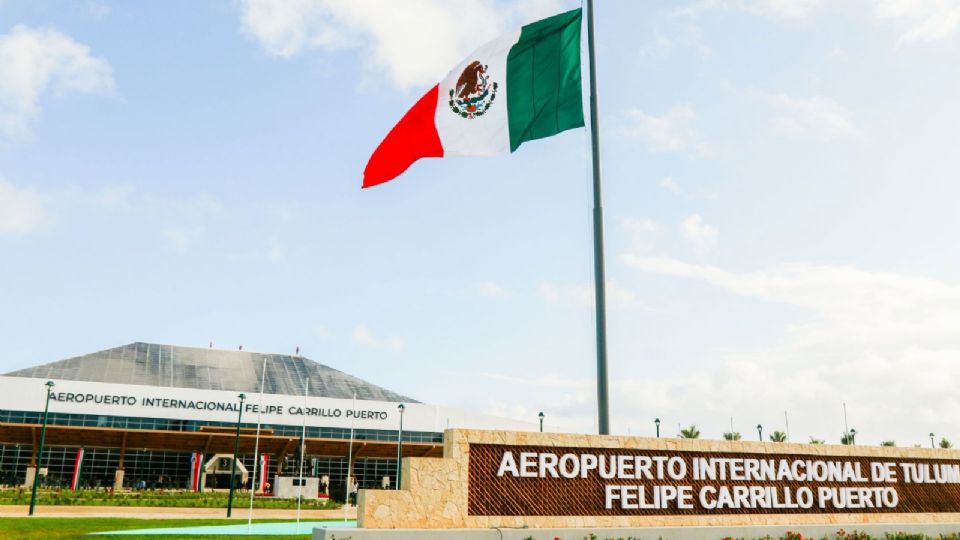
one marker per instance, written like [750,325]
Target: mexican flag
[77,470]
[522,86]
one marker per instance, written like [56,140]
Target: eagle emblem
[474,92]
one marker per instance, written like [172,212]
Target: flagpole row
[603,404]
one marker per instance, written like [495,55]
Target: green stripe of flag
[544,93]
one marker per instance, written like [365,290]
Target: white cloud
[660,46]
[276,252]
[642,233]
[638,225]
[181,238]
[415,42]
[703,237]
[789,9]
[113,196]
[38,61]
[22,209]
[583,294]
[669,185]
[549,292]
[918,21]
[779,9]
[488,289]
[884,343]
[322,333]
[183,220]
[672,186]
[364,337]
[688,35]
[671,132]
[819,116]
[98,9]
[921,21]
[531,10]
[549,381]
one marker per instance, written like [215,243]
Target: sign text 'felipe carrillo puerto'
[521,479]
[550,481]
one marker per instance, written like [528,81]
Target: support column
[118,480]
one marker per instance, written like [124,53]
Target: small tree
[690,432]
[945,443]
[731,436]
[888,443]
[778,436]
[814,440]
[847,439]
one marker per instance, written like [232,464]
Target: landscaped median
[75,528]
[175,499]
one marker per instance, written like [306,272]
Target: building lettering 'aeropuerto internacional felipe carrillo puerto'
[146,414]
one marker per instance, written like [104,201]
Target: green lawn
[180,499]
[58,528]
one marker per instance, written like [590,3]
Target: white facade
[108,399]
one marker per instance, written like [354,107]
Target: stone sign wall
[514,479]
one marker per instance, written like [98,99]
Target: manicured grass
[60,528]
[176,499]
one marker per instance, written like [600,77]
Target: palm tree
[690,433]
[945,443]
[846,439]
[816,441]
[888,443]
[778,436]
[731,436]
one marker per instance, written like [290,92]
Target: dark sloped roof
[209,369]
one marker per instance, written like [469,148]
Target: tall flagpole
[603,405]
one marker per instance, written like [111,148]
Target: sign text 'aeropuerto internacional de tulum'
[552,481]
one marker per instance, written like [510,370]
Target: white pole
[346,499]
[256,447]
[787,421]
[303,449]
[846,427]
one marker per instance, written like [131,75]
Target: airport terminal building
[146,415]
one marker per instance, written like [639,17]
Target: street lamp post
[931,441]
[236,451]
[400,408]
[656,422]
[760,432]
[540,416]
[43,436]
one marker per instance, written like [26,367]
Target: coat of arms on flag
[474,92]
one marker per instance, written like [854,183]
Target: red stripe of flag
[265,461]
[76,469]
[415,136]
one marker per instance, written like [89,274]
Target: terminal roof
[210,369]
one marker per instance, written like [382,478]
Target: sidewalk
[239,512]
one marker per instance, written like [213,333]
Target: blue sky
[780,191]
